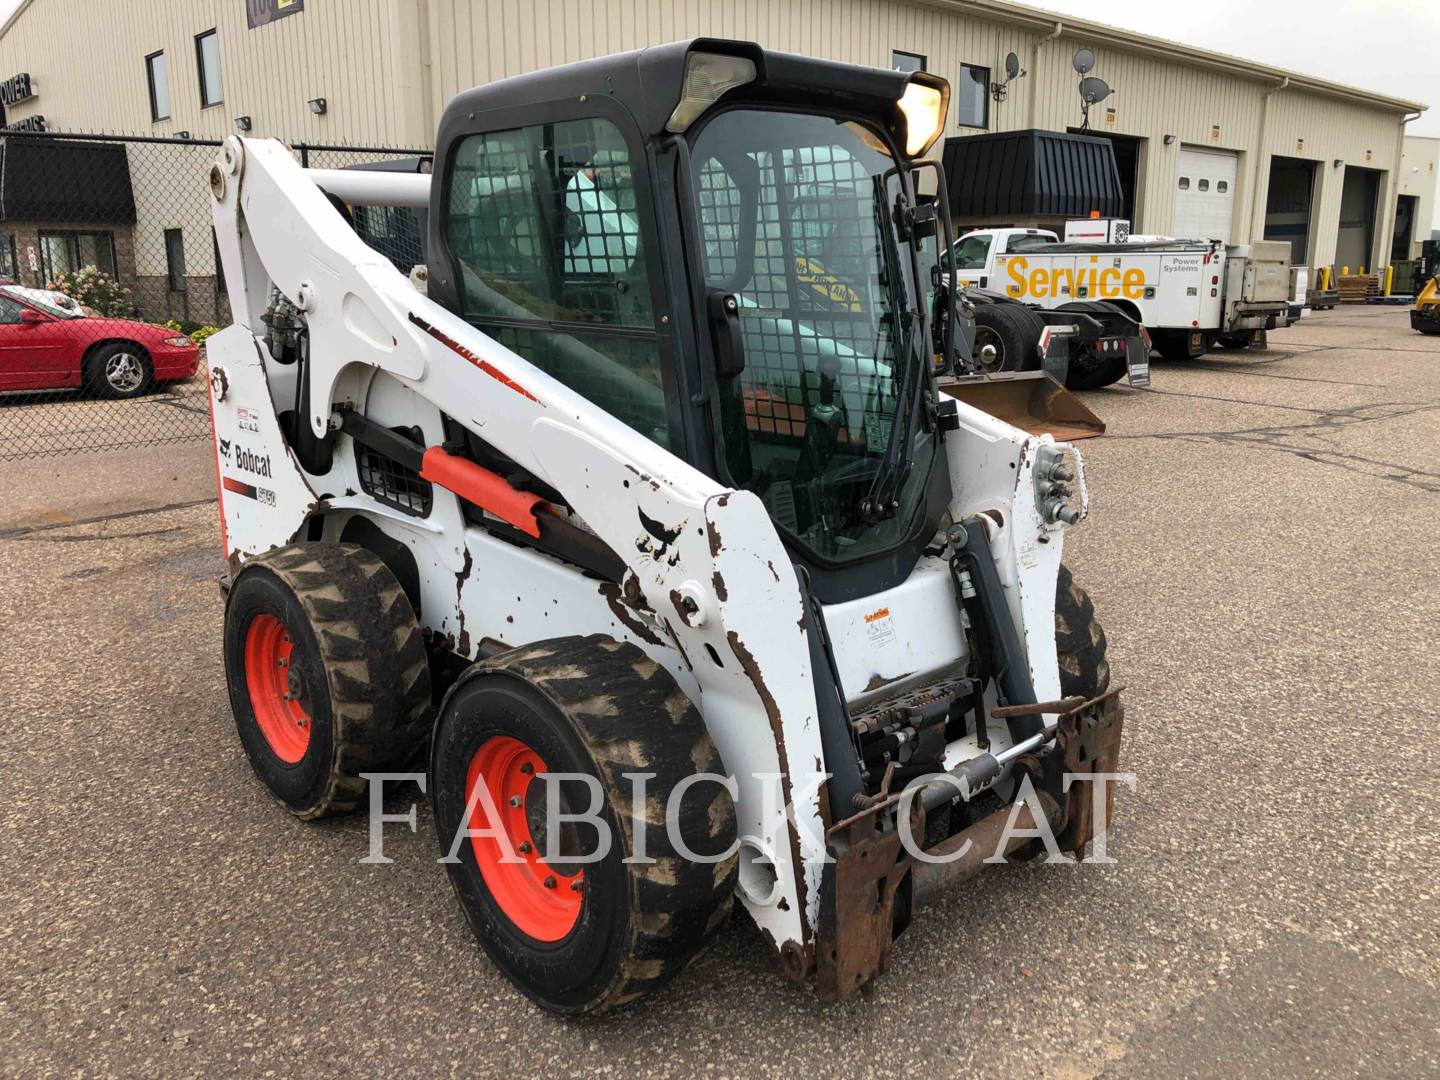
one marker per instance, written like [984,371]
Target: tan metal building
[1204,141]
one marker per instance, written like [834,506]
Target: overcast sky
[1392,46]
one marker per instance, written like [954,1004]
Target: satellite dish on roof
[1012,67]
[1093,90]
[1084,61]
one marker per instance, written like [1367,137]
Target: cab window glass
[970,253]
[9,311]
[543,224]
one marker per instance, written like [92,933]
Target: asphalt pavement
[1262,552]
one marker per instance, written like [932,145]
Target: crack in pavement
[23,532]
[1328,422]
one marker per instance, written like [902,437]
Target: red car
[45,346]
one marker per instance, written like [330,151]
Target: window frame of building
[155,114]
[175,259]
[206,101]
[983,86]
[10,257]
[72,237]
[895,55]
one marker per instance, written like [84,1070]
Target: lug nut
[576,885]
[526,769]
[550,882]
[526,847]
[515,800]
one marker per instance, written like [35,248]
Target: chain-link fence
[110,281]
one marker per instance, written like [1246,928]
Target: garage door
[1205,195]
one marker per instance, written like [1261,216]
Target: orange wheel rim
[277,691]
[543,902]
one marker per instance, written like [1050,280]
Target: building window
[1204,184]
[207,63]
[66,252]
[159,78]
[175,259]
[9,264]
[1184,183]
[974,95]
[1222,186]
[906,61]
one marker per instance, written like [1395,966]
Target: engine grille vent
[386,480]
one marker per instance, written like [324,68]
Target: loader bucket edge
[1029,400]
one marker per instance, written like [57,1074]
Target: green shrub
[197,332]
[94,289]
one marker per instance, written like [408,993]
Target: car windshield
[48,301]
[796,222]
[970,253]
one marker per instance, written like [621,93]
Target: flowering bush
[94,289]
[196,331]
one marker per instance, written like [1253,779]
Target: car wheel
[120,370]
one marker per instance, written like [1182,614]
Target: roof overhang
[1098,33]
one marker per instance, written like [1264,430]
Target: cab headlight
[707,76]
[924,110]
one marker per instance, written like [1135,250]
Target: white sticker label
[879,628]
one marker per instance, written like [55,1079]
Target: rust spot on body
[611,592]
[877,680]
[719,583]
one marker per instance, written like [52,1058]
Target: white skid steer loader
[637,505]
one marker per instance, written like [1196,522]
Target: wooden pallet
[1357,288]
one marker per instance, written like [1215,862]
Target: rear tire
[1079,641]
[327,673]
[1092,370]
[1175,346]
[596,707]
[1013,330]
[121,369]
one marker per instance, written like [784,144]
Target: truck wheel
[579,934]
[1175,345]
[1079,640]
[1092,370]
[327,673]
[1012,331]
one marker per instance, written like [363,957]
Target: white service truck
[1189,294]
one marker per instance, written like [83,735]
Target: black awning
[1032,173]
[60,181]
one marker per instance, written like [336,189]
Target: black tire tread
[1080,642]
[1019,329]
[374,657]
[604,687]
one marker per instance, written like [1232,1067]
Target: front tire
[1079,641]
[121,369]
[327,673]
[581,936]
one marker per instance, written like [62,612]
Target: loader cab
[715,244]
